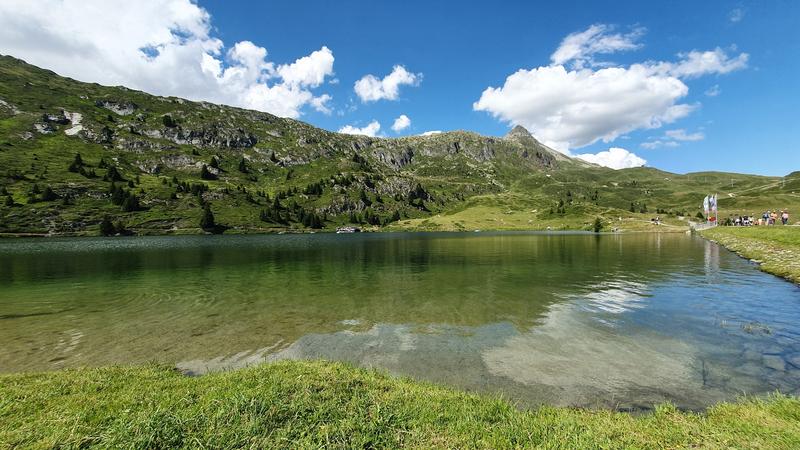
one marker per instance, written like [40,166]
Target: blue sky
[686,86]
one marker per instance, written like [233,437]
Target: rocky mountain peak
[518,132]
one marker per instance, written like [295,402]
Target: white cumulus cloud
[431,133]
[615,158]
[370,88]
[570,108]
[165,47]
[371,129]
[401,123]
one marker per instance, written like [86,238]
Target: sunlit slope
[153,164]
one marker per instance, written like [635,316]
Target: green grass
[332,405]
[776,248]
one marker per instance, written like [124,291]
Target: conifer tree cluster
[277,213]
[79,166]
[127,200]
[107,228]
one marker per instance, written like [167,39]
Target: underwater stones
[774,362]
[794,359]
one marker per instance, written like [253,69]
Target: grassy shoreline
[775,248]
[321,404]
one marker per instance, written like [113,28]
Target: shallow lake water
[622,321]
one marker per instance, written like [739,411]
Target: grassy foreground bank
[319,404]
[777,248]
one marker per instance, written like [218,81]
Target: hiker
[785,216]
[765,216]
[773,217]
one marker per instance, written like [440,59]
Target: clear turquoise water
[568,319]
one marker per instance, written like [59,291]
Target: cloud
[369,88]
[650,145]
[309,70]
[681,135]
[673,138]
[431,133]
[321,104]
[579,48]
[615,158]
[570,108]
[696,63]
[401,123]
[370,130]
[736,15]
[713,91]
[162,47]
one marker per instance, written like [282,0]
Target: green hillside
[73,153]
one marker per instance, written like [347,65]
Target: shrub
[168,121]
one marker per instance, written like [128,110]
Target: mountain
[74,153]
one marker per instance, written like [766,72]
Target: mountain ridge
[256,172]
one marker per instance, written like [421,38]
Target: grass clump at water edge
[321,404]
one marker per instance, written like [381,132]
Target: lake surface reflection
[566,319]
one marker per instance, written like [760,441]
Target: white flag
[714,204]
[705,204]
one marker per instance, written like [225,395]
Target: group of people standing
[767,218]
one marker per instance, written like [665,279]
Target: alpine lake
[569,319]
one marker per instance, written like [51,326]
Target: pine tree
[77,164]
[9,201]
[113,174]
[243,166]
[106,227]
[48,194]
[364,199]
[207,219]
[598,225]
[131,203]
[117,194]
[206,174]
[214,162]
